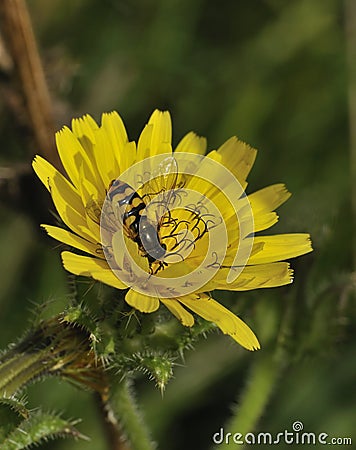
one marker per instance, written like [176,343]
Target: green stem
[123,410]
[19,370]
[262,380]
[54,348]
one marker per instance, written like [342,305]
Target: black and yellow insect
[147,220]
[136,224]
[131,210]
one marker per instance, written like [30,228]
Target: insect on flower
[135,222]
[166,234]
[143,216]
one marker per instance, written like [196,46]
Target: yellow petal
[107,156]
[73,218]
[210,180]
[280,247]
[91,267]
[117,136]
[211,310]
[249,250]
[238,157]
[128,156]
[269,198]
[65,198]
[262,205]
[263,221]
[83,128]
[142,302]
[144,143]
[115,129]
[125,249]
[177,310]
[192,143]
[264,202]
[162,130]
[176,270]
[156,137]
[92,199]
[73,240]
[252,277]
[73,155]
[45,172]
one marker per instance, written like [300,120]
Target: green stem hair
[54,348]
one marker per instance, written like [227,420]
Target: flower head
[168,227]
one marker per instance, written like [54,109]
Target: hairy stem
[112,430]
[54,348]
[124,413]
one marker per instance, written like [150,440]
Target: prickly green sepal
[186,340]
[158,367]
[80,315]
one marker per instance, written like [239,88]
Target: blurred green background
[275,74]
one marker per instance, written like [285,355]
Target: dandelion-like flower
[167,227]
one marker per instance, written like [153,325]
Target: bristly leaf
[38,428]
[16,405]
[12,412]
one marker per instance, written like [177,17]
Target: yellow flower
[169,227]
